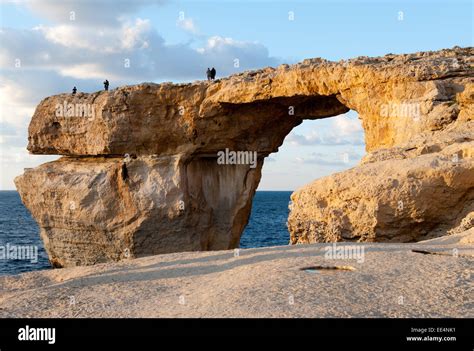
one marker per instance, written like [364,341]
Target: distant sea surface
[266,227]
[267,224]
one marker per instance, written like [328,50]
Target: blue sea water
[18,228]
[266,227]
[267,224]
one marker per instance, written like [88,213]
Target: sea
[266,227]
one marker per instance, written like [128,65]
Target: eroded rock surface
[88,213]
[399,199]
[94,205]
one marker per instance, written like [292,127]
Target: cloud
[131,52]
[346,126]
[231,56]
[89,12]
[14,159]
[20,91]
[188,25]
[346,158]
[343,131]
[302,140]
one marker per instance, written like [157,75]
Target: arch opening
[314,149]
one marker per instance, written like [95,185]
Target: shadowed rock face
[88,213]
[95,205]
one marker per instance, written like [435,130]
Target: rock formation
[139,173]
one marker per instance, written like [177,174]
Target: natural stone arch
[176,198]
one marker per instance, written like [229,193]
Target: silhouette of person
[106,84]
[208,74]
[74,90]
[213,73]
[124,171]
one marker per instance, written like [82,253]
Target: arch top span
[166,119]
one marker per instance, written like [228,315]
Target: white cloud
[340,158]
[85,53]
[188,25]
[99,13]
[16,106]
[300,140]
[346,126]
[86,71]
[344,130]
[13,161]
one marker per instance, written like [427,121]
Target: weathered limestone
[88,213]
[416,111]
[400,199]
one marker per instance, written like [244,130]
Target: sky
[48,46]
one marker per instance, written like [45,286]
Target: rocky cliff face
[140,174]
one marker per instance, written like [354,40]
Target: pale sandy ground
[393,281]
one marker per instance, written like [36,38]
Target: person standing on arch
[208,74]
[106,85]
[213,73]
